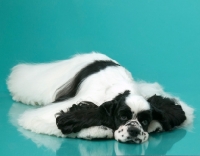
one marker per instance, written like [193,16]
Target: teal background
[156,40]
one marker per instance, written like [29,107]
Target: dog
[99,79]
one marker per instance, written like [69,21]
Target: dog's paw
[65,121]
[95,132]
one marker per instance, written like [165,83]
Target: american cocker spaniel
[92,96]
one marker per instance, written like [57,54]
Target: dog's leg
[42,120]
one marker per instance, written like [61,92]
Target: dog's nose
[133,131]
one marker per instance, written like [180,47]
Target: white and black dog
[90,96]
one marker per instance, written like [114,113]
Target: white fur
[91,133]
[137,104]
[37,84]
[121,134]
[154,125]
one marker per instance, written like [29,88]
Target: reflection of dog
[91,77]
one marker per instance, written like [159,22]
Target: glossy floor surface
[156,40]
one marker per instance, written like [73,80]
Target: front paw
[95,132]
[66,122]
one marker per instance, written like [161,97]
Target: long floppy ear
[167,112]
[82,115]
[110,106]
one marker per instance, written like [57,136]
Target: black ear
[166,111]
[110,106]
[82,115]
[64,122]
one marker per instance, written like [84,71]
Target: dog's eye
[123,118]
[144,122]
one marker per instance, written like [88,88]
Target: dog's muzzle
[131,132]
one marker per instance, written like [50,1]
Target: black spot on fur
[70,89]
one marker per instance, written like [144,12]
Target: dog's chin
[131,132]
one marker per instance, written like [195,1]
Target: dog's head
[135,130]
[157,113]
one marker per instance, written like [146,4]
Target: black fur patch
[167,112]
[144,116]
[82,105]
[108,114]
[70,89]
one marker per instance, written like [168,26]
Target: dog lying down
[130,108]
[116,116]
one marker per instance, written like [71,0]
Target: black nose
[133,131]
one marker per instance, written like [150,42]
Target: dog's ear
[73,121]
[167,112]
[65,122]
[110,106]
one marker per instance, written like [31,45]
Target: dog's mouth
[131,132]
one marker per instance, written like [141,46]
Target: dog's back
[36,84]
